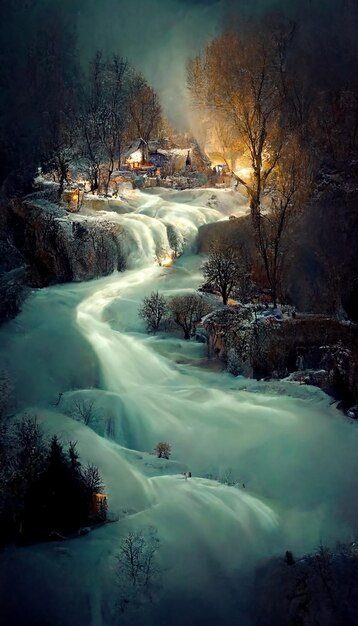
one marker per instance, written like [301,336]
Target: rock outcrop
[321,350]
[59,247]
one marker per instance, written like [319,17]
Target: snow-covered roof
[136,144]
[133,147]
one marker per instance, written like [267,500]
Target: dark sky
[158,36]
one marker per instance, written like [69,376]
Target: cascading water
[291,454]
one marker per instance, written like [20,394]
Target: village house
[137,155]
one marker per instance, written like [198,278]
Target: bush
[163,450]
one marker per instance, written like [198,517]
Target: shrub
[163,450]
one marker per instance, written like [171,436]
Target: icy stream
[293,451]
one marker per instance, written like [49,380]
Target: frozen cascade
[143,235]
[294,453]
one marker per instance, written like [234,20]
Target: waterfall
[273,468]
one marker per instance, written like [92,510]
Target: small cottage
[138,153]
[99,505]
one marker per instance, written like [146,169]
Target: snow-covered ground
[291,449]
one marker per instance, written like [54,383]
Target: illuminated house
[137,155]
[72,199]
[99,505]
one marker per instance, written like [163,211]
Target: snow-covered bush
[233,362]
[154,311]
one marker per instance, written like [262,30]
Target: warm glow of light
[166,261]
[100,496]
[134,158]
[244,172]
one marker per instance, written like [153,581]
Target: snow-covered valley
[291,453]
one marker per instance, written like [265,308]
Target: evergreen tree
[43,490]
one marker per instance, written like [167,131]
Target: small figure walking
[185,476]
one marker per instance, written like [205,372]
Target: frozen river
[293,451]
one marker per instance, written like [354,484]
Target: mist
[157,37]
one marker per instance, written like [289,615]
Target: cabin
[72,199]
[99,505]
[137,155]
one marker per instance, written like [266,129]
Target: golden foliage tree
[241,83]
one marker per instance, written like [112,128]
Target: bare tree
[30,446]
[115,115]
[322,588]
[59,144]
[84,411]
[153,311]
[90,120]
[291,186]
[187,310]
[92,478]
[145,112]
[239,82]
[137,569]
[224,268]
[116,103]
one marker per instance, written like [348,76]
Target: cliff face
[59,248]
[12,279]
[267,347]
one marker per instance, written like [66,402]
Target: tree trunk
[62,181]
[60,189]
[95,179]
[144,151]
[110,171]
[119,154]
